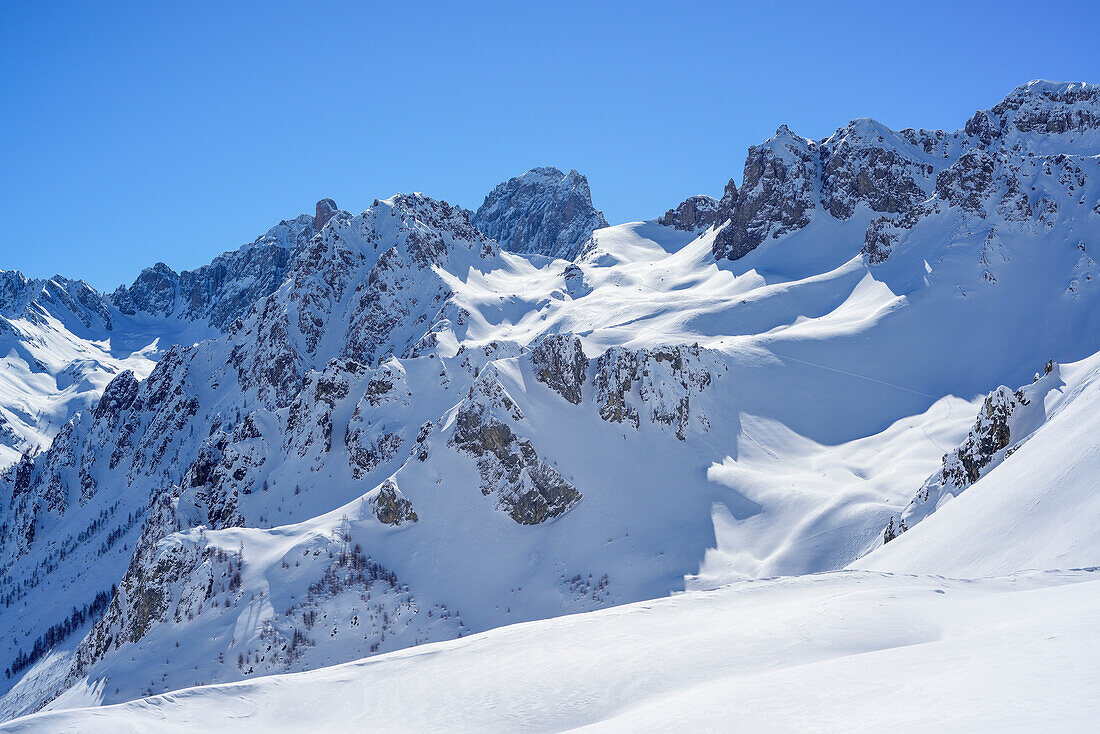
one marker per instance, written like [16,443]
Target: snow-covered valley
[796,456]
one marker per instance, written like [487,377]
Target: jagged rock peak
[1040,106]
[778,191]
[325,209]
[13,291]
[694,214]
[788,178]
[71,301]
[544,212]
[226,288]
[1041,93]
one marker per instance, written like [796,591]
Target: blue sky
[132,133]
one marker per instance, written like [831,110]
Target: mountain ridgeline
[366,431]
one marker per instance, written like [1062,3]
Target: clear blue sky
[131,133]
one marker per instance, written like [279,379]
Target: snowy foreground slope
[843,651]
[1001,649]
[1035,503]
[370,432]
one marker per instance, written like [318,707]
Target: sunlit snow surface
[843,651]
[820,377]
[836,388]
[792,469]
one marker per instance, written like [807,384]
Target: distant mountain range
[364,432]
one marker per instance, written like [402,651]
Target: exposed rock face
[15,292]
[144,433]
[372,441]
[365,283]
[990,434]
[196,443]
[173,583]
[73,302]
[559,362]
[117,398]
[992,439]
[310,422]
[576,284]
[984,183]
[74,341]
[348,349]
[154,291]
[395,310]
[789,177]
[390,506]
[655,383]
[144,595]
[226,288]
[777,194]
[544,212]
[727,205]
[905,175]
[866,163]
[1041,107]
[20,475]
[879,240]
[325,209]
[694,214]
[89,449]
[526,487]
[967,182]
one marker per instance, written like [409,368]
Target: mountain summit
[542,212]
[788,180]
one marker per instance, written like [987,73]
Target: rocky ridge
[909,175]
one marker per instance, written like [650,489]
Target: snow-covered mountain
[365,432]
[225,289]
[64,341]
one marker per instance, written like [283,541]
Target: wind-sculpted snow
[368,431]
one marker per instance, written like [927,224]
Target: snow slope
[400,433]
[1035,508]
[840,651]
